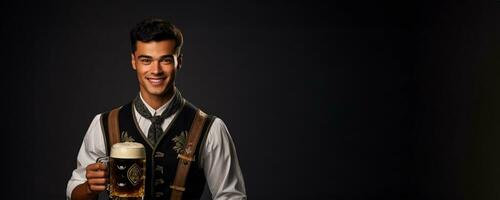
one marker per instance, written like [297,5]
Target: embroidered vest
[161,159]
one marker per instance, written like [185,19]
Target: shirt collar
[158,111]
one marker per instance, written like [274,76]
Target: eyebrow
[167,56]
[144,56]
[161,57]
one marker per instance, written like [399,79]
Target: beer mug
[127,170]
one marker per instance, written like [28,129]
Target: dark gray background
[358,100]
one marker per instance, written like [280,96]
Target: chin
[157,92]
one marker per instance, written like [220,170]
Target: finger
[97,188]
[98,181]
[101,166]
[93,167]
[96,174]
[96,167]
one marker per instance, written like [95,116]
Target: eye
[145,61]
[167,60]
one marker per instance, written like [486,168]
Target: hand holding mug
[97,177]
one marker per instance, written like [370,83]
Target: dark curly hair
[154,29]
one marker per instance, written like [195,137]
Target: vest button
[159,181]
[159,168]
[159,154]
[159,194]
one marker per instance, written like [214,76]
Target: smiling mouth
[156,81]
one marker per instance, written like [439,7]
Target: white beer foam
[128,150]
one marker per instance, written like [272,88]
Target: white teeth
[155,80]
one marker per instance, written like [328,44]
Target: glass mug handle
[105,161]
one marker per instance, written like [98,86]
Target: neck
[156,101]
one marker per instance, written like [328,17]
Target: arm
[220,163]
[82,191]
[89,178]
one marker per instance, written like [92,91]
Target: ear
[179,61]
[132,60]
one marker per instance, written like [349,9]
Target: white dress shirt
[217,155]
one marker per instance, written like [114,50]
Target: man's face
[156,65]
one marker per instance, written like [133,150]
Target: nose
[156,67]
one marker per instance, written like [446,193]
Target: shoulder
[94,138]
[96,121]
[218,134]
[104,115]
[217,124]
[119,108]
[217,129]
[97,117]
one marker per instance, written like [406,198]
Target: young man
[158,118]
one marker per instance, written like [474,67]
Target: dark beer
[127,170]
